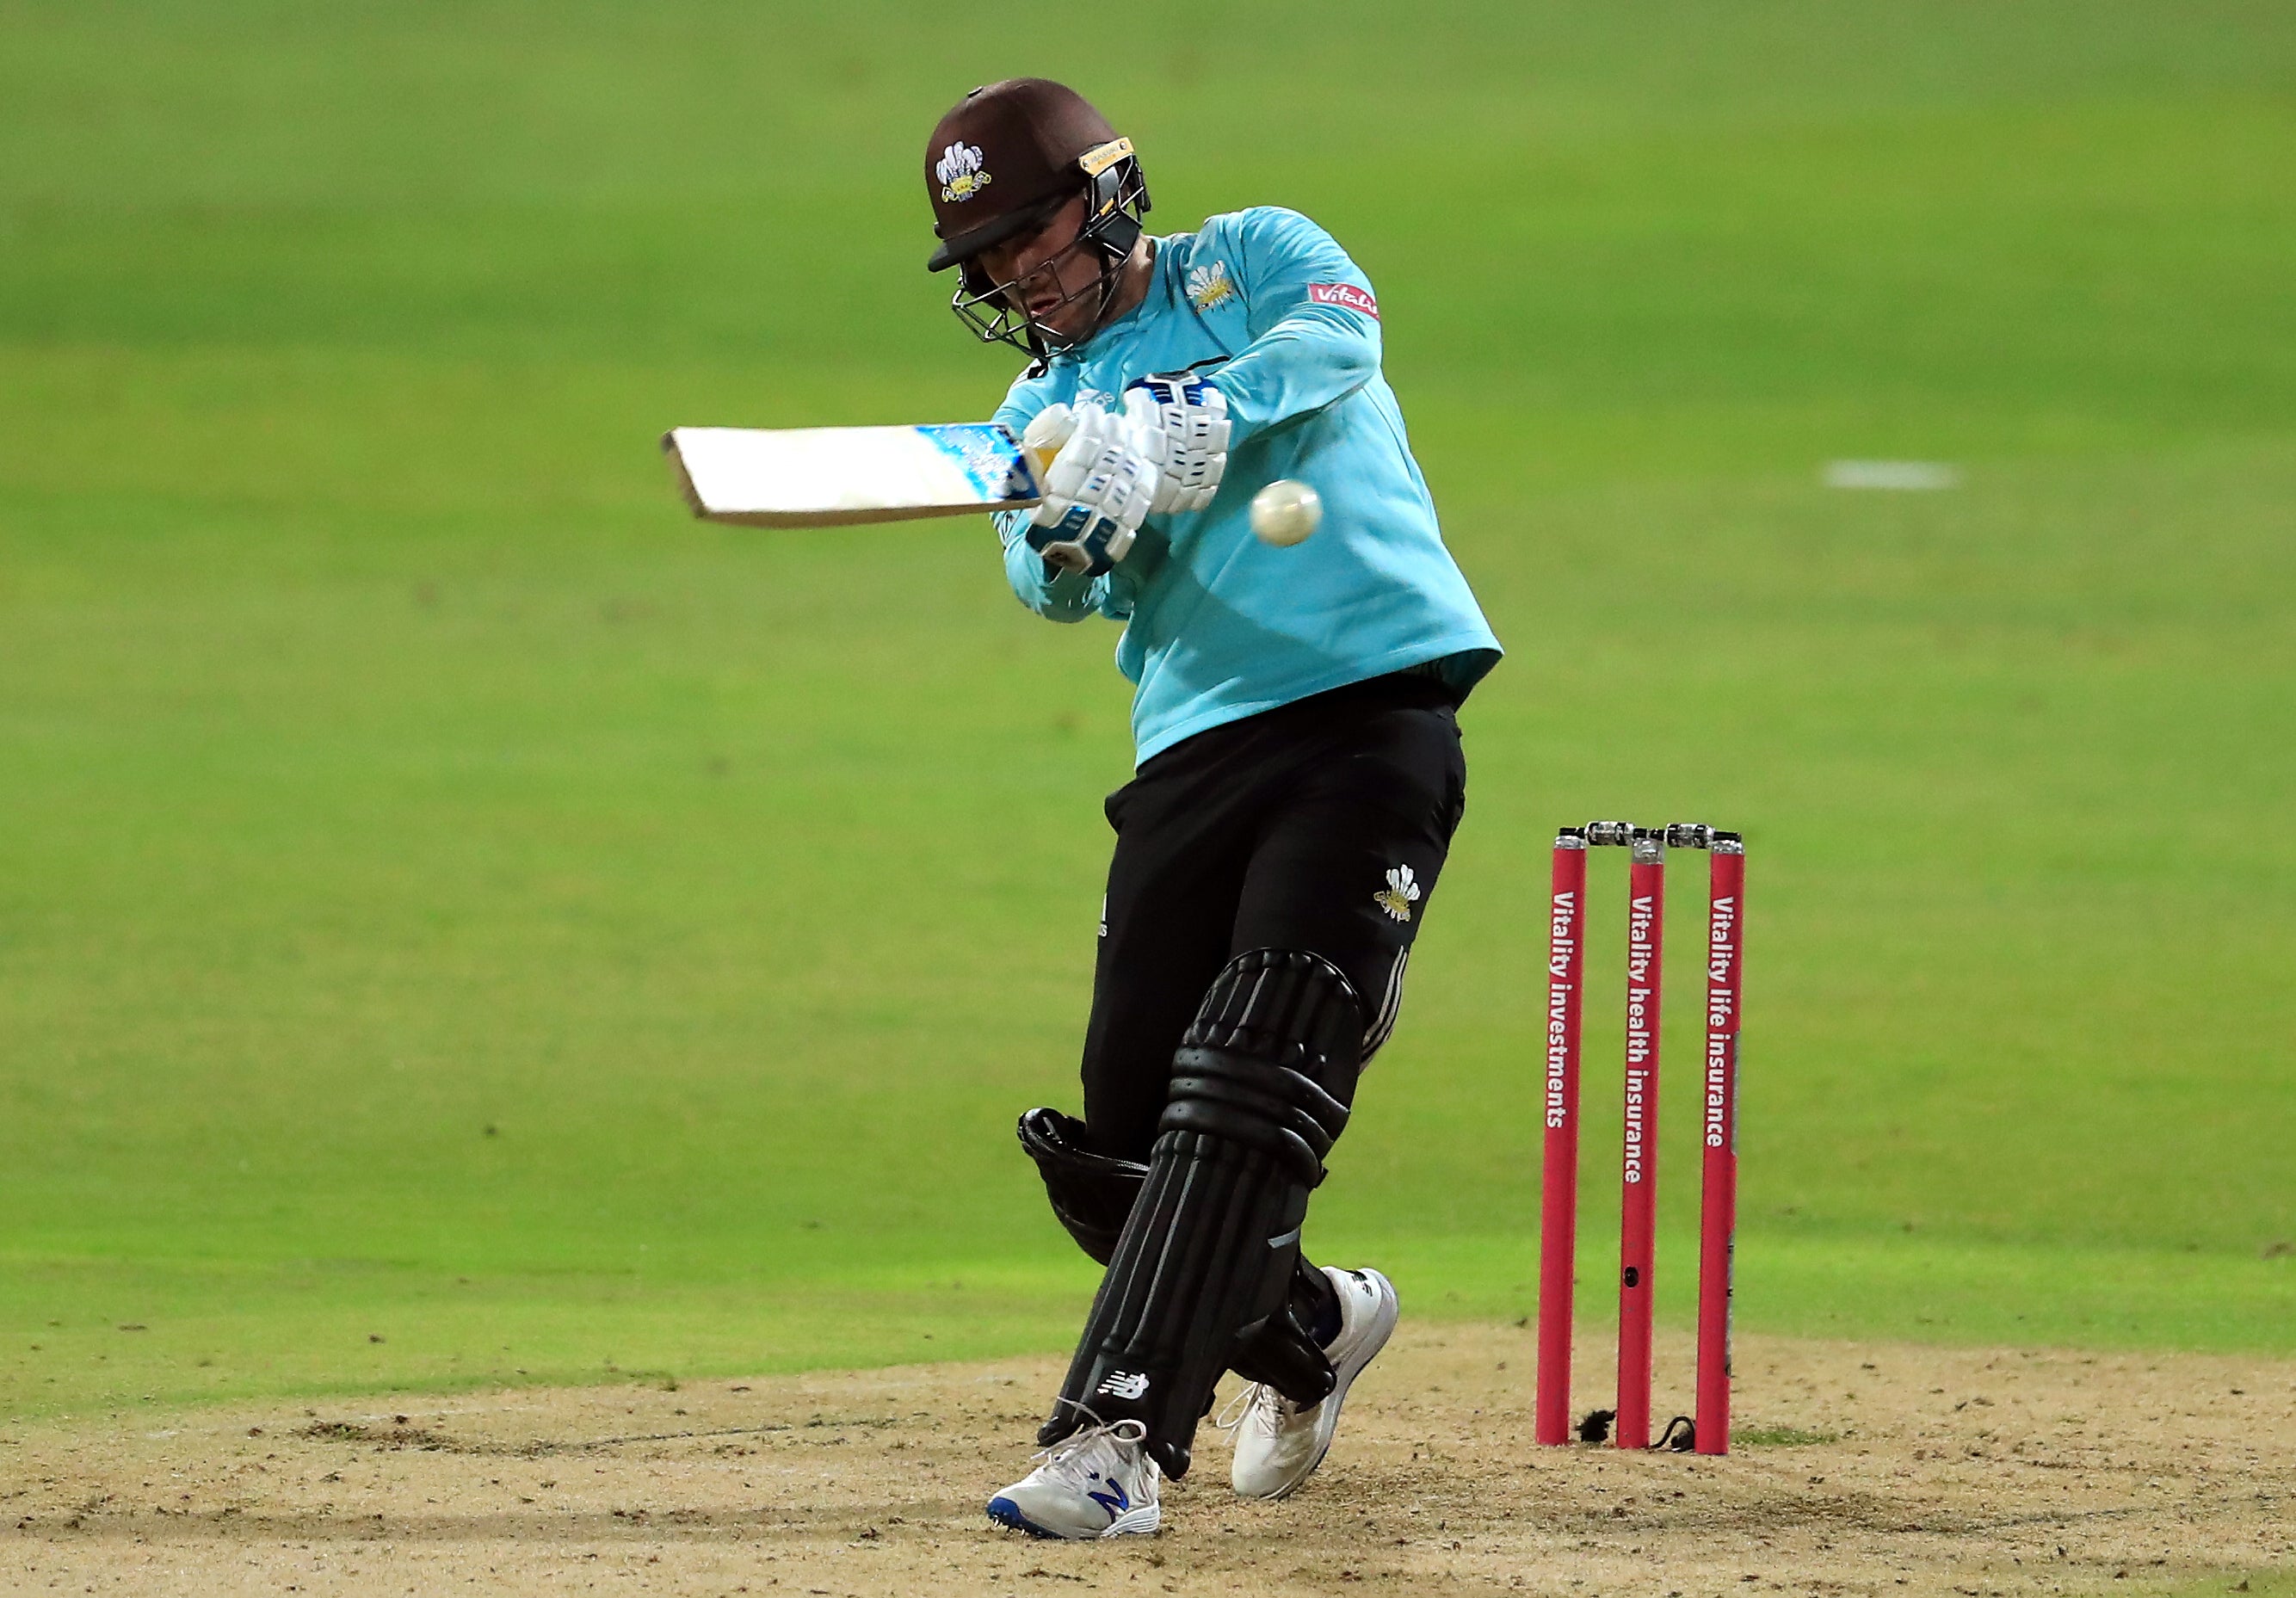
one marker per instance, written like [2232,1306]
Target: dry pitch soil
[1863,1469]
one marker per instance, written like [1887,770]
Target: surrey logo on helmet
[960,174]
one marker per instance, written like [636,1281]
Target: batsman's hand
[1098,490]
[1183,421]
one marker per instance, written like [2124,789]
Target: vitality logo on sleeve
[1344,294]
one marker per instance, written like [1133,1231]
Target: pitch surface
[1868,1469]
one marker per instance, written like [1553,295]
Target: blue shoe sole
[1142,1518]
[1006,1513]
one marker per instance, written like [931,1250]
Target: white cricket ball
[1285,512]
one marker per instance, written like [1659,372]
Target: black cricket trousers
[1321,825]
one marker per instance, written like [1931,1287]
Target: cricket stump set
[1559,1200]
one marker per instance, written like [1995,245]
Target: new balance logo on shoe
[1124,1384]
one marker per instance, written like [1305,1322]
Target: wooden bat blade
[846,476]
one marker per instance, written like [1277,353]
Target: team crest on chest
[1210,286]
[960,174]
[1400,895]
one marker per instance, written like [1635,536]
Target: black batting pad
[1204,1262]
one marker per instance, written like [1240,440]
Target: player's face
[1039,272]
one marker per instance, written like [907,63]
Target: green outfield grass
[446,896]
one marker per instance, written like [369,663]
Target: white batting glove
[1183,418]
[1097,492]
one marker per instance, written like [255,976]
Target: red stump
[1639,1164]
[1558,1209]
[1718,1220]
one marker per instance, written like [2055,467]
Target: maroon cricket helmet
[999,164]
[1005,156]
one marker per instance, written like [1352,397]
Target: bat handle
[1047,431]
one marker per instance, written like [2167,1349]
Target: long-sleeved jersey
[1219,626]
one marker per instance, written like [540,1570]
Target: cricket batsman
[1299,777]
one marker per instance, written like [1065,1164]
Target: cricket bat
[845,476]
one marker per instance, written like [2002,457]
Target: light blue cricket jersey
[1218,625]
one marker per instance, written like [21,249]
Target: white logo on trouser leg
[1399,894]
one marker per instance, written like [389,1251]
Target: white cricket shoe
[1278,1444]
[1099,1483]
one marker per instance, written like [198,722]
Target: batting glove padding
[1097,492]
[1184,427]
